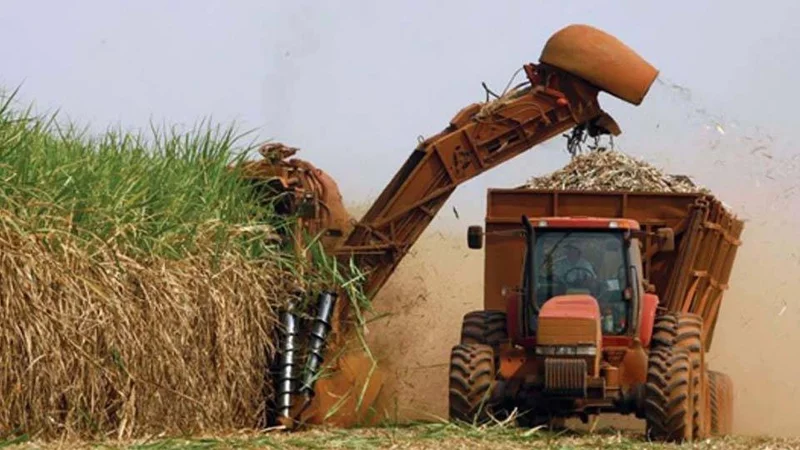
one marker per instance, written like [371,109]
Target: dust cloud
[756,339]
[434,286]
[758,334]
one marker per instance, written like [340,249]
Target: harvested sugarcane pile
[608,170]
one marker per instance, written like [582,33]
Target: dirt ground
[755,342]
[421,436]
[416,437]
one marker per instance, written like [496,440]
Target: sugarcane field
[398,225]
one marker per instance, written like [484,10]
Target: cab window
[584,262]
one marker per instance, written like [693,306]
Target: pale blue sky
[354,83]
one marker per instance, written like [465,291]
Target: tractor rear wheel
[685,330]
[484,327]
[472,381]
[668,401]
[720,389]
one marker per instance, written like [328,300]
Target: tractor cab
[573,287]
[571,264]
[582,257]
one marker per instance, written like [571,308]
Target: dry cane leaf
[613,171]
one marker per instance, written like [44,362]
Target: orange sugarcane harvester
[626,330]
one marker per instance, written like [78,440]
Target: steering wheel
[589,275]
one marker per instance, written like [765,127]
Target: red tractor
[598,302]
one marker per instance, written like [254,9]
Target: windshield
[584,262]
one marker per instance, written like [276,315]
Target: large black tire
[472,380]
[720,390]
[685,330]
[668,402]
[484,327]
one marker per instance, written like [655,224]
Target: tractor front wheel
[472,381]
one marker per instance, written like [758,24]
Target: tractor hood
[569,320]
[569,330]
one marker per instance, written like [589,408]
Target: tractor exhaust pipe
[317,341]
[287,370]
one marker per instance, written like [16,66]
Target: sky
[354,83]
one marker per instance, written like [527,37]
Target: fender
[649,305]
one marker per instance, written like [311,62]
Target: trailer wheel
[690,337]
[472,379]
[720,389]
[685,330]
[668,402]
[484,327]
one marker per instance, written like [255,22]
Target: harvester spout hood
[602,60]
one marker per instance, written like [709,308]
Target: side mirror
[667,238]
[475,237]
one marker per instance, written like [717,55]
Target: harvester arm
[576,64]
[478,138]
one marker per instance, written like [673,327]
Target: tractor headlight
[566,350]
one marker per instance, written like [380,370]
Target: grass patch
[157,195]
[431,436]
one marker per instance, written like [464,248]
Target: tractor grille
[565,377]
